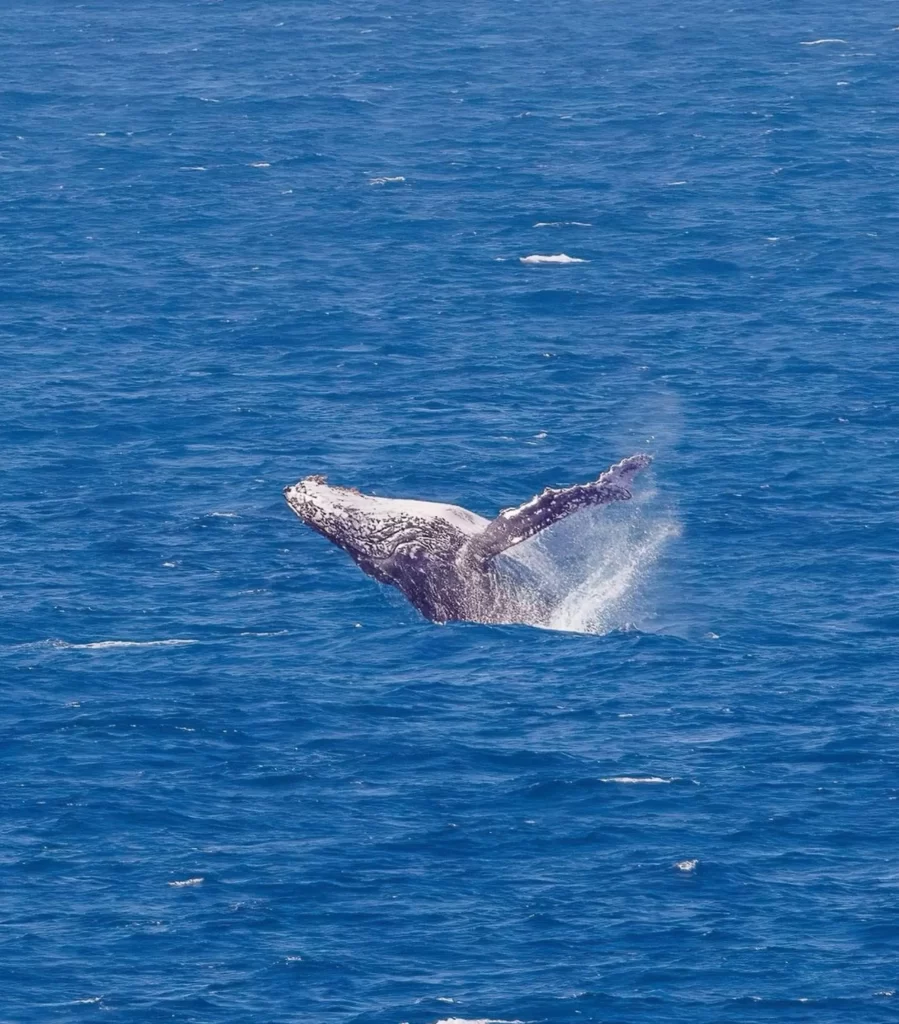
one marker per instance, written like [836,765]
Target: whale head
[373,529]
[333,511]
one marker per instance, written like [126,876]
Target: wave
[687,866]
[558,258]
[562,224]
[477,1020]
[101,645]
[637,779]
[98,645]
[821,42]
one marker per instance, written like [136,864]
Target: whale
[447,561]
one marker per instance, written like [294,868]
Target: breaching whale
[442,557]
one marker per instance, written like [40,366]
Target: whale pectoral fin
[514,525]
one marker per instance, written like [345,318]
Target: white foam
[477,1020]
[687,866]
[98,645]
[260,163]
[185,882]
[821,42]
[386,181]
[197,168]
[558,258]
[637,779]
[562,224]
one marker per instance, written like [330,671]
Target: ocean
[247,241]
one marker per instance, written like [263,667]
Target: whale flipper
[514,525]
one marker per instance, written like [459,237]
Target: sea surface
[246,241]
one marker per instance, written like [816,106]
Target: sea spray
[591,572]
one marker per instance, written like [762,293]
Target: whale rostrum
[443,558]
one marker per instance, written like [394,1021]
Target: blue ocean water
[247,241]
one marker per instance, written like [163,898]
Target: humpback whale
[443,558]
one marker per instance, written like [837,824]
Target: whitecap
[562,224]
[821,42]
[636,779]
[558,258]
[185,882]
[386,181]
[97,645]
[226,515]
[687,866]
[197,168]
[260,163]
[478,1020]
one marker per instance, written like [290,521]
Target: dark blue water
[247,241]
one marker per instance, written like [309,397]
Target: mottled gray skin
[443,557]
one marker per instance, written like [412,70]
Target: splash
[590,574]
